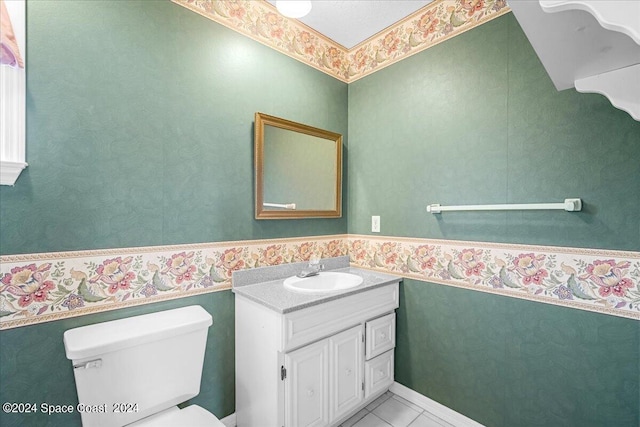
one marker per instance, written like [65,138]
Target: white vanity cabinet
[317,365]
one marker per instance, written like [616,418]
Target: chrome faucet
[313,269]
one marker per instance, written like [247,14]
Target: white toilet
[135,371]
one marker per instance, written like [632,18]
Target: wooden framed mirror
[298,170]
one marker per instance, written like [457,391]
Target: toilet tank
[132,368]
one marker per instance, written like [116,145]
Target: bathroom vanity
[312,359]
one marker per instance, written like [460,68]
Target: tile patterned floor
[390,410]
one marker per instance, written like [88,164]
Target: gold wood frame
[262,120]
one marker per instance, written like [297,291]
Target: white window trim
[12,104]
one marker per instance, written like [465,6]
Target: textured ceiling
[351,22]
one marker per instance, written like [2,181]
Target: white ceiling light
[294,8]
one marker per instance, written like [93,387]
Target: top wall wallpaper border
[433,24]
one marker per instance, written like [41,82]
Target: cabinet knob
[383,336]
[380,373]
[310,392]
[348,371]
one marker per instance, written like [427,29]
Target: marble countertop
[275,296]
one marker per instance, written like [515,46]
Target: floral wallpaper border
[39,288]
[436,22]
[603,281]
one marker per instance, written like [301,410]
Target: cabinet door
[307,386]
[346,370]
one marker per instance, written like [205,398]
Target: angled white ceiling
[351,22]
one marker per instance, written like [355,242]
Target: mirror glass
[298,170]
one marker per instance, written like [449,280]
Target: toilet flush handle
[96,363]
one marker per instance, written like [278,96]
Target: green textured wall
[476,120]
[140,129]
[140,132]
[506,362]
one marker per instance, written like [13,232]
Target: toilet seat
[191,416]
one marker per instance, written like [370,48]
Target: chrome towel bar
[569,205]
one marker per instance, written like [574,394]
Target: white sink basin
[325,282]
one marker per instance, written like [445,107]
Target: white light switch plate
[375,224]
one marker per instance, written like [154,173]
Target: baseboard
[229,421]
[445,414]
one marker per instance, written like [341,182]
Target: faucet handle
[314,263]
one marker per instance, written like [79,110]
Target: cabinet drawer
[381,335]
[378,374]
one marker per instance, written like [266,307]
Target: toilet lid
[191,416]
